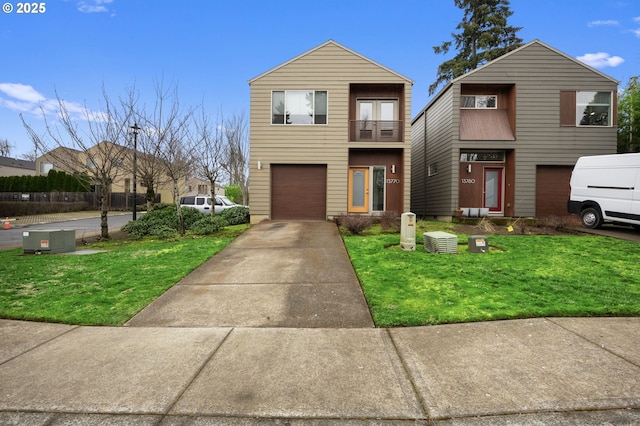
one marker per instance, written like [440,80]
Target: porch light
[259,165]
[393,169]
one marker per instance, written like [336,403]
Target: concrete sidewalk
[541,371]
[214,352]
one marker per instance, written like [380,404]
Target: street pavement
[85,223]
[297,347]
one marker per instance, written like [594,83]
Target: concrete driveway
[277,274]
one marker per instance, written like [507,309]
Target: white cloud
[94,6]
[23,98]
[636,19]
[22,92]
[600,60]
[606,23]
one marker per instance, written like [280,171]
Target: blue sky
[210,49]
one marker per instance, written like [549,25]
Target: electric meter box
[408,231]
[49,241]
[478,244]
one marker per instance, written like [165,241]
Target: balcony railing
[376,131]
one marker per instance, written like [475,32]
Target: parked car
[606,188]
[203,203]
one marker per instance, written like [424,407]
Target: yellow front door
[358,190]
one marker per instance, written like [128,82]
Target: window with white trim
[301,107]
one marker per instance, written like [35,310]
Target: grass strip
[522,276]
[99,289]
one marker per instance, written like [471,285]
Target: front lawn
[104,288]
[522,276]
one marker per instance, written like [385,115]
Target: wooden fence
[116,201]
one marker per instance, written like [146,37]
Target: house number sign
[468,181]
[393,180]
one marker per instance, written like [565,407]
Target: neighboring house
[505,136]
[14,167]
[330,135]
[71,160]
[195,186]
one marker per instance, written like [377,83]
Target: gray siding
[539,74]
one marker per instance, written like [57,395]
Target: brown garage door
[552,190]
[298,192]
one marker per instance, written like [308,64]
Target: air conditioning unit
[440,242]
[49,241]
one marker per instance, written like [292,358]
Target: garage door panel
[552,190]
[298,192]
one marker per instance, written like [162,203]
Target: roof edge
[327,43]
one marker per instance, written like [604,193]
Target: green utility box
[478,244]
[49,241]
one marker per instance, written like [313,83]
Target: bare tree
[167,131]
[150,172]
[207,146]
[5,148]
[98,152]
[237,153]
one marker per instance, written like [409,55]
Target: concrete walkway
[233,360]
[278,274]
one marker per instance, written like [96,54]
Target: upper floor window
[299,107]
[587,108]
[593,108]
[479,101]
[45,167]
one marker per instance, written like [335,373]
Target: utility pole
[135,130]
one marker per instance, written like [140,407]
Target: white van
[203,203]
[606,188]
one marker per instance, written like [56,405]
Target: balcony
[375,131]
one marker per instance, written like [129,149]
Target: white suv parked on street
[203,203]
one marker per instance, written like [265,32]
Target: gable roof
[506,55]
[330,43]
[17,163]
[531,43]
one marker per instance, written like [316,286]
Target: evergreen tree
[629,118]
[484,36]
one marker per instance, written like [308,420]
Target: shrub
[162,222]
[390,221]
[236,215]
[208,225]
[164,232]
[355,224]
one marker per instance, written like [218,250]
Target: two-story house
[504,137]
[116,160]
[330,135]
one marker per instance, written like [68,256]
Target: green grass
[522,276]
[104,288]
